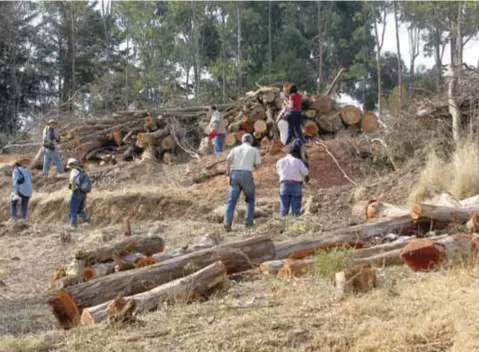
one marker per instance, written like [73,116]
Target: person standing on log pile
[239,168]
[217,129]
[80,186]
[292,171]
[50,153]
[22,189]
[294,115]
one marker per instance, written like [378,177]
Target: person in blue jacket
[22,189]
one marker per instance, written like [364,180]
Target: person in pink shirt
[292,171]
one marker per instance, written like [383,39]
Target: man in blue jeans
[239,167]
[292,171]
[22,189]
[50,153]
[217,129]
[78,198]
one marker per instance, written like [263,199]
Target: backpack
[21,179]
[84,182]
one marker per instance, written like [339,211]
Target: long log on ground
[443,213]
[205,242]
[352,236]
[144,245]
[377,209]
[238,256]
[188,288]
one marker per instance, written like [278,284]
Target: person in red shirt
[294,115]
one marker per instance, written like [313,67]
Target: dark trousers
[24,207]
[294,119]
[77,207]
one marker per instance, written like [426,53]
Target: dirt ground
[407,312]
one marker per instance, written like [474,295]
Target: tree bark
[352,236]
[238,62]
[237,257]
[398,46]
[443,213]
[188,288]
[320,50]
[143,245]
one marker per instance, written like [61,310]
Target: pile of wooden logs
[164,133]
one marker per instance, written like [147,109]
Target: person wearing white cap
[80,185]
[50,153]
[239,167]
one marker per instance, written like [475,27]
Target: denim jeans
[49,156]
[290,195]
[294,118]
[77,207]
[219,143]
[24,207]
[241,180]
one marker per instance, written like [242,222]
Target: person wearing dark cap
[239,167]
[292,171]
[22,189]
[294,115]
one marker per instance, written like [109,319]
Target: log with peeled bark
[191,287]
[369,123]
[353,236]
[207,241]
[237,257]
[351,115]
[377,209]
[443,213]
[144,245]
[331,123]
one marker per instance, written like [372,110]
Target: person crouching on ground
[22,189]
[78,196]
[292,171]
[50,153]
[239,167]
[217,129]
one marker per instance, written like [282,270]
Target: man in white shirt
[292,171]
[239,167]
[217,129]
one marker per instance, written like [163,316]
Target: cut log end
[260,126]
[88,274]
[369,122]
[230,139]
[473,223]
[416,211]
[310,129]
[351,115]
[142,262]
[65,309]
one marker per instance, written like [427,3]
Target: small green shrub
[328,263]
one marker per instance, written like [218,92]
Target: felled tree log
[425,254]
[296,268]
[144,245]
[310,128]
[207,241]
[351,115]
[238,256]
[352,236]
[322,104]
[369,122]
[66,281]
[443,213]
[331,123]
[377,209]
[188,288]
[272,267]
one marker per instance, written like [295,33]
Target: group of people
[293,169]
[22,186]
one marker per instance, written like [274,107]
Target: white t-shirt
[290,168]
[218,122]
[244,157]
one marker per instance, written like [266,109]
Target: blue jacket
[26,188]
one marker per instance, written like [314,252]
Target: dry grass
[28,343]
[457,174]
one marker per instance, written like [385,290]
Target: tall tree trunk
[223,79]
[413,35]
[73,86]
[320,49]
[399,57]
[438,57]
[238,60]
[379,45]
[270,54]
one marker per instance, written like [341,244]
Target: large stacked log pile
[163,133]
